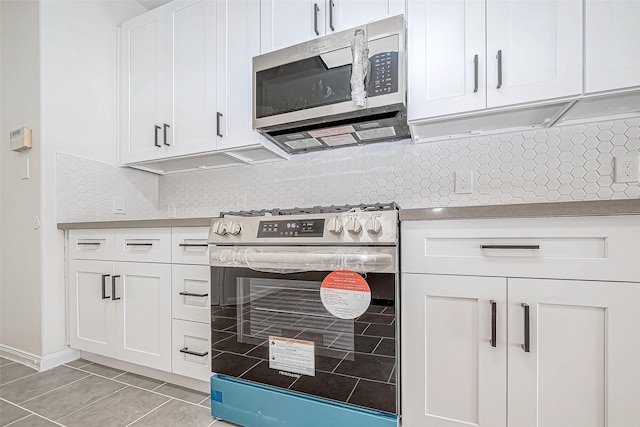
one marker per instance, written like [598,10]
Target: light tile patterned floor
[85,394]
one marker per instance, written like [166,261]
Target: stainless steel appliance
[304,316]
[343,89]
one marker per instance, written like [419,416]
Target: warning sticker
[291,355]
[345,294]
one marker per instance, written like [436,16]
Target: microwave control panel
[384,74]
[291,228]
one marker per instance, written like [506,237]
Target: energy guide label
[287,354]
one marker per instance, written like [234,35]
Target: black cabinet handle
[166,126]
[475,74]
[533,247]
[104,286]
[194,245]
[499,69]
[156,137]
[189,294]
[139,244]
[88,243]
[194,353]
[331,6]
[493,323]
[113,288]
[316,9]
[218,117]
[527,338]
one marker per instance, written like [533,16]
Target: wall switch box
[119,205]
[626,168]
[20,139]
[464,181]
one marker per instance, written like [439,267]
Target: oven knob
[334,225]
[354,226]
[220,228]
[233,228]
[373,225]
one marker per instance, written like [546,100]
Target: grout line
[18,379]
[352,391]
[53,389]
[204,400]
[158,386]
[153,410]
[30,414]
[92,403]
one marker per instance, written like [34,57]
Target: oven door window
[347,360]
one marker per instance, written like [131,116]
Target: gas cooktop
[371,207]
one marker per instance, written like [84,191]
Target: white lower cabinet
[572,351]
[121,310]
[191,349]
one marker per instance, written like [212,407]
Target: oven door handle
[283,260]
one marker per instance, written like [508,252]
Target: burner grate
[363,207]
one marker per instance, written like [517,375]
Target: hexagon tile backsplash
[557,164]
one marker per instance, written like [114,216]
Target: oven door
[325,326]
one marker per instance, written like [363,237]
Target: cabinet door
[238,42]
[345,14]
[582,366]
[142,87]
[143,314]
[534,50]
[91,310]
[287,22]
[451,374]
[191,85]
[612,46]
[446,46]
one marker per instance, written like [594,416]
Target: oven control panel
[291,228]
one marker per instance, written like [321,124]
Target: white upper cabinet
[446,45]
[534,50]
[612,46]
[287,22]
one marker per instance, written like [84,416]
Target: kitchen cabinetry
[288,22]
[533,52]
[177,97]
[533,315]
[612,50]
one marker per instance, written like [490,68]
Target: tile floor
[85,394]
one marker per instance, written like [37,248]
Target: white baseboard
[39,363]
[192,383]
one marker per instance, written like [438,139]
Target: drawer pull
[189,294]
[493,323]
[104,286]
[527,338]
[139,244]
[194,353]
[194,245]
[530,247]
[89,243]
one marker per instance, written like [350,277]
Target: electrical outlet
[171,210]
[464,181]
[119,206]
[626,168]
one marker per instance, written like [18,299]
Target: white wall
[79,117]
[20,305]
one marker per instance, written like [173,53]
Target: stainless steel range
[303,316]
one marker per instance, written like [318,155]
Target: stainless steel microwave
[343,89]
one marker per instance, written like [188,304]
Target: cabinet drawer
[191,349]
[144,245]
[91,244]
[190,292]
[189,245]
[591,248]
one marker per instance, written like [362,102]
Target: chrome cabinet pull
[165,134]
[494,323]
[527,338]
[156,136]
[331,6]
[499,69]
[194,353]
[104,286]
[113,288]
[316,9]
[523,247]
[218,117]
[475,74]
